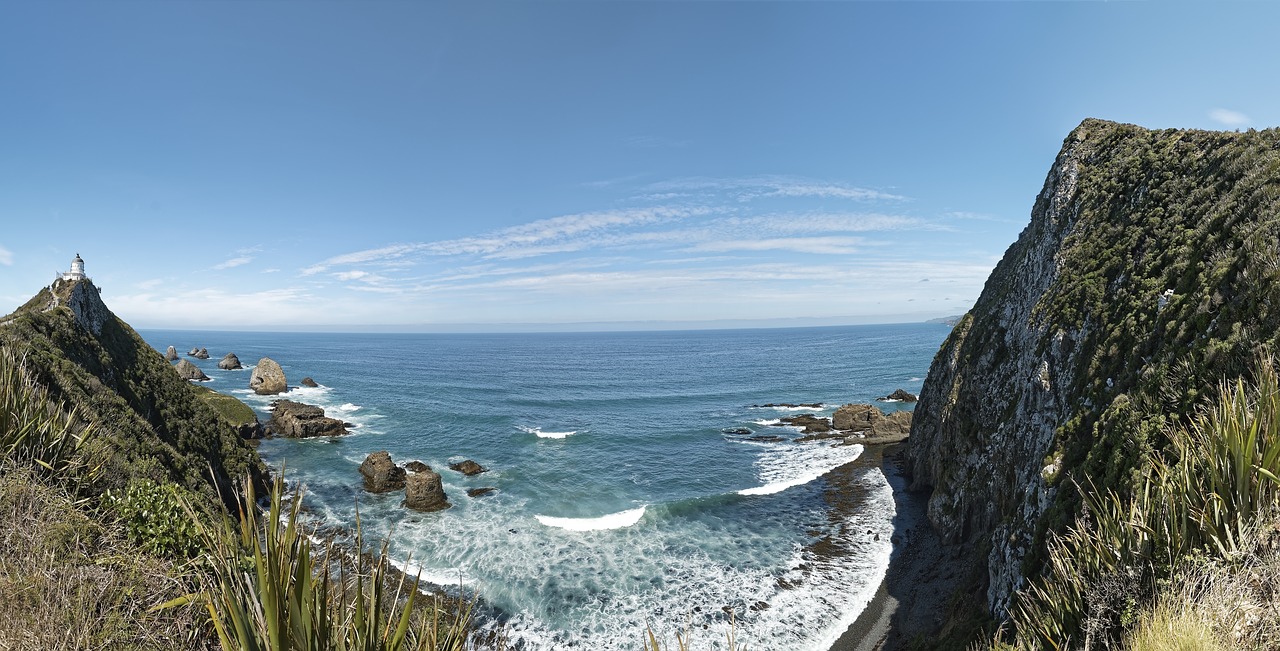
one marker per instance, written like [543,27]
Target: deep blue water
[621,503]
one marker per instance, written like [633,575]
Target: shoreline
[921,578]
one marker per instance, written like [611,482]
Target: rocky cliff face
[1148,272]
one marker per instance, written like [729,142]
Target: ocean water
[622,503]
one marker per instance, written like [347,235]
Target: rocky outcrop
[416,466]
[297,420]
[856,417]
[900,395]
[809,423]
[1145,276]
[896,424]
[381,475]
[199,353]
[230,362]
[468,467]
[188,371]
[86,304]
[424,491]
[480,492]
[170,354]
[267,378]
[309,383]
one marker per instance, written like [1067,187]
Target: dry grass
[69,581]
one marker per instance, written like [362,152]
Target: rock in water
[193,352]
[423,491]
[230,362]
[480,492]
[856,417]
[896,424]
[900,395]
[298,420]
[267,378]
[188,371]
[467,467]
[170,354]
[416,466]
[309,383]
[381,474]
[202,354]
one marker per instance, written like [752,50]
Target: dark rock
[856,417]
[809,422]
[381,474]
[298,420]
[417,466]
[789,405]
[199,353]
[230,362]
[251,431]
[900,396]
[189,371]
[267,378]
[764,438]
[170,354]
[193,352]
[309,383]
[739,431]
[423,491]
[468,467]
[480,492]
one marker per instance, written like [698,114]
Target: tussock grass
[71,580]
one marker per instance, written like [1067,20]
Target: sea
[641,486]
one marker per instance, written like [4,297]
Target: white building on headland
[77,270]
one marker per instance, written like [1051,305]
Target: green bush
[153,517]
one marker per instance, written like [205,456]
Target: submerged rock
[309,383]
[267,378]
[381,474]
[480,492]
[230,362]
[811,423]
[468,467]
[424,491]
[298,420]
[188,371]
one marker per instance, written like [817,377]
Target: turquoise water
[620,501]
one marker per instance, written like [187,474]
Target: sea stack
[267,378]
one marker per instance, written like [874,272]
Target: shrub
[153,516]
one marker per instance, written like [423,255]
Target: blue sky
[461,166]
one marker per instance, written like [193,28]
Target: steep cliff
[152,423]
[1148,272]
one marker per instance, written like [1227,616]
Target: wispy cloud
[150,284]
[835,245]
[757,187]
[6,257]
[233,262]
[1228,117]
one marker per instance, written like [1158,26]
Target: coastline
[921,578]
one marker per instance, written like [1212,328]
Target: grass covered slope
[1148,273]
[153,424]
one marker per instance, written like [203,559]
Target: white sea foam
[347,407]
[617,520]
[546,435]
[768,421]
[442,578]
[796,465]
[915,379]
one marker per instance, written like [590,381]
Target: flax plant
[34,429]
[269,590]
[1221,474]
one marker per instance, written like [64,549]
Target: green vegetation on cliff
[1148,275]
[153,425]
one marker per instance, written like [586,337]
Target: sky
[473,166]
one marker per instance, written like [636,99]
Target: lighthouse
[77,270]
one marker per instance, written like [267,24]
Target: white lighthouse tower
[77,270]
